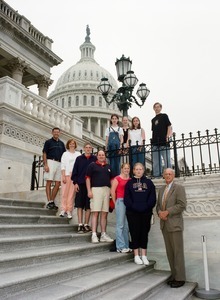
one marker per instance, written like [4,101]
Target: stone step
[4,209]
[165,292]
[152,286]
[35,229]
[16,243]
[23,258]
[16,202]
[31,219]
[83,270]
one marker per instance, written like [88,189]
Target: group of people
[91,180]
[119,139]
[122,138]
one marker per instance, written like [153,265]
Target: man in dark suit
[170,205]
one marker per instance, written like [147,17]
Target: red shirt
[120,190]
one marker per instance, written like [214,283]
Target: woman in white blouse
[68,189]
[136,138]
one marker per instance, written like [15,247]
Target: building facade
[76,91]
[26,119]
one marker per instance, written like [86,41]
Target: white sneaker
[125,250]
[69,215]
[138,260]
[94,239]
[145,260]
[106,238]
[62,213]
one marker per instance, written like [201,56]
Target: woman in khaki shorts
[98,181]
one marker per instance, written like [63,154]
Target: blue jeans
[114,159]
[122,232]
[137,155]
[159,152]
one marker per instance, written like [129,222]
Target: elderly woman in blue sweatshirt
[139,199]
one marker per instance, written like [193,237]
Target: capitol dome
[86,71]
[76,91]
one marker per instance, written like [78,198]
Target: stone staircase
[43,257]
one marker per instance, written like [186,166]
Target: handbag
[111,205]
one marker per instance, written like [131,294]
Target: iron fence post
[33,173]
[177,171]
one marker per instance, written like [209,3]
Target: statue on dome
[87,33]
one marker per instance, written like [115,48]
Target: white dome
[76,91]
[86,74]
[85,71]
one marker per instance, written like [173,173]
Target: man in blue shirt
[98,182]
[52,152]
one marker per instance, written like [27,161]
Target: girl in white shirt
[136,138]
[67,187]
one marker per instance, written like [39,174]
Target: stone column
[17,67]
[43,83]
[89,124]
[99,127]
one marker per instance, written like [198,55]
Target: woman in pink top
[117,193]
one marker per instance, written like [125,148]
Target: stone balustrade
[20,20]
[10,12]
[15,94]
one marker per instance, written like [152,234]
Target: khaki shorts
[100,200]
[54,173]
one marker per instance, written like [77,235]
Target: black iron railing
[194,155]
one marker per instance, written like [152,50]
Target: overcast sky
[174,46]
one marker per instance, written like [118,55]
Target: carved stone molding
[204,208]
[43,81]
[16,64]
[21,135]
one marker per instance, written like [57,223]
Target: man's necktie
[165,197]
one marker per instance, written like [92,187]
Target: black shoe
[169,282]
[177,284]
[81,229]
[87,228]
[55,207]
[51,205]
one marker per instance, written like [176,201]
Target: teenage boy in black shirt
[161,133]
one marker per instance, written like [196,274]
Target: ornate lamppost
[123,97]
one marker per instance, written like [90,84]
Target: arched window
[84,100]
[62,102]
[57,102]
[92,101]
[100,101]
[77,100]
[69,102]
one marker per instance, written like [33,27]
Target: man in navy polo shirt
[52,152]
[98,182]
